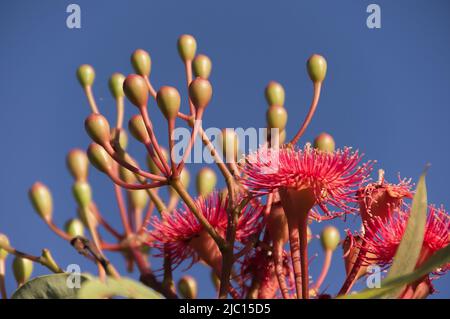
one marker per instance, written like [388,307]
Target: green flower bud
[97,127]
[330,238]
[202,66]
[168,100]
[187,286]
[136,90]
[116,85]
[126,175]
[187,46]
[3,241]
[137,128]
[82,193]
[324,142]
[74,227]
[276,117]
[119,138]
[317,68]
[77,163]
[99,158]
[142,64]
[22,269]
[42,201]
[151,164]
[274,93]
[206,181]
[86,216]
[200,93]
[86,75]
[230,144]
[138,198]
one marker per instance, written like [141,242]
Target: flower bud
[202,66]
[324,142]
[116,85]
[151,164]
[168,100]
[274,93]
[119,138]
[97,127]
[3,241]
[206,181]
[42,201]
[99,158]
[187,47]
[126,175]
[330,238]
[74,227]
[200,93]
[22,269]
[86,75]
[137,128]
[317,68]
[77,163]
[82,193]
[141,61]
[187,286]
[230,144]
[87,217]
[136,90]
[138,198]
[276,117]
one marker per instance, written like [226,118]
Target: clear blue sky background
[386,93]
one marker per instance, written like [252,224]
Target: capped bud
[78,163]
[116,85]
[151,164]
[141,61]
[42,201]
[215,279]
[276,117]
[185,179]
[74,227]
[138,198]
[86,75]
[206,181]
[136,90]
[137,128]
[3,241]
[330,238]
[168,100]
[22,269]
[274,93]
[100,158]
[202,66]
[324,142]
[187,286]
[200,92]
[317,68]
[119,138]
[187,46]
[82,192]
[126,175]
[97,127]
[230,144]
[86,216]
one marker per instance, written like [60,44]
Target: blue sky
[386,91]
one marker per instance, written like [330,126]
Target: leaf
[49,287]
[123,287]
[439,259]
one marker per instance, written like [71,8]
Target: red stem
[303,228]
[325,268]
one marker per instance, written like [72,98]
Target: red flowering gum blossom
[180,236]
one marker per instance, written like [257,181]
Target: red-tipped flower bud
[100,158]
[86,75]
[187,46]
[22,269]
[141,61]
[74,227]
[82,193]
[317,68]
[187,286]
[276,117]
[274,93]
[136,90]
[324,142]
[200,93]
[330,238]
[42,201]
[77,163]
[206,181]
[97,127]
[168,100]
[5,242]
[116,85]
[137,128]
[202,66]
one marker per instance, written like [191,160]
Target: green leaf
[123,287]
[49,287]
[439,259]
